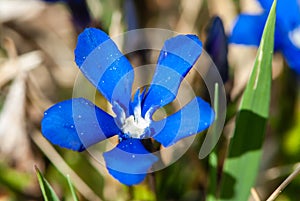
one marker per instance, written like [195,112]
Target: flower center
[295,36]
[135,126]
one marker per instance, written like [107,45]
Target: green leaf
[8,179]
[75,198]
[47,191]
[241,166]
[213,159]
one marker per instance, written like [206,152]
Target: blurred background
[37,69]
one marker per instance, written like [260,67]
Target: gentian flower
[216,46]
[77,124]
[248,29]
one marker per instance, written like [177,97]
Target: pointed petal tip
[195,38]
[129,162]
[175,60]
[87,41]
[126,178]
[102,63]
[76,124]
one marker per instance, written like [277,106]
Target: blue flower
[77,123]
[248,29]
[216,46]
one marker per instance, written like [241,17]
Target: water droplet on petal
[133,156]
[59,106]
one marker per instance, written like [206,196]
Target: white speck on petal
[59,106]
[133,156]
[294,36]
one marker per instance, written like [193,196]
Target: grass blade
[241,166]
[213,159]
[47,191]
[75,198]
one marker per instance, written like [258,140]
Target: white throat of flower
[294,36]
[135,125]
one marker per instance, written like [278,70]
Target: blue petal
[248,29]
[129,161]
[287,16]
[266,4]
[288,9]
[175,60]
[105,66]
[292,55]
[195,117]
[77,124]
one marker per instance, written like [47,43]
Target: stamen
[135,125]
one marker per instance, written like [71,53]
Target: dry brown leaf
[14,143]
[25,62]
[188,17]
[225,9]
[19,9]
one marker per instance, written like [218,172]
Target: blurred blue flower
[77,123]
[248,29]
[216,46]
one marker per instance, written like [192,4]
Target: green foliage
[7,178]
[75,198]
[241,166]
[47,191]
